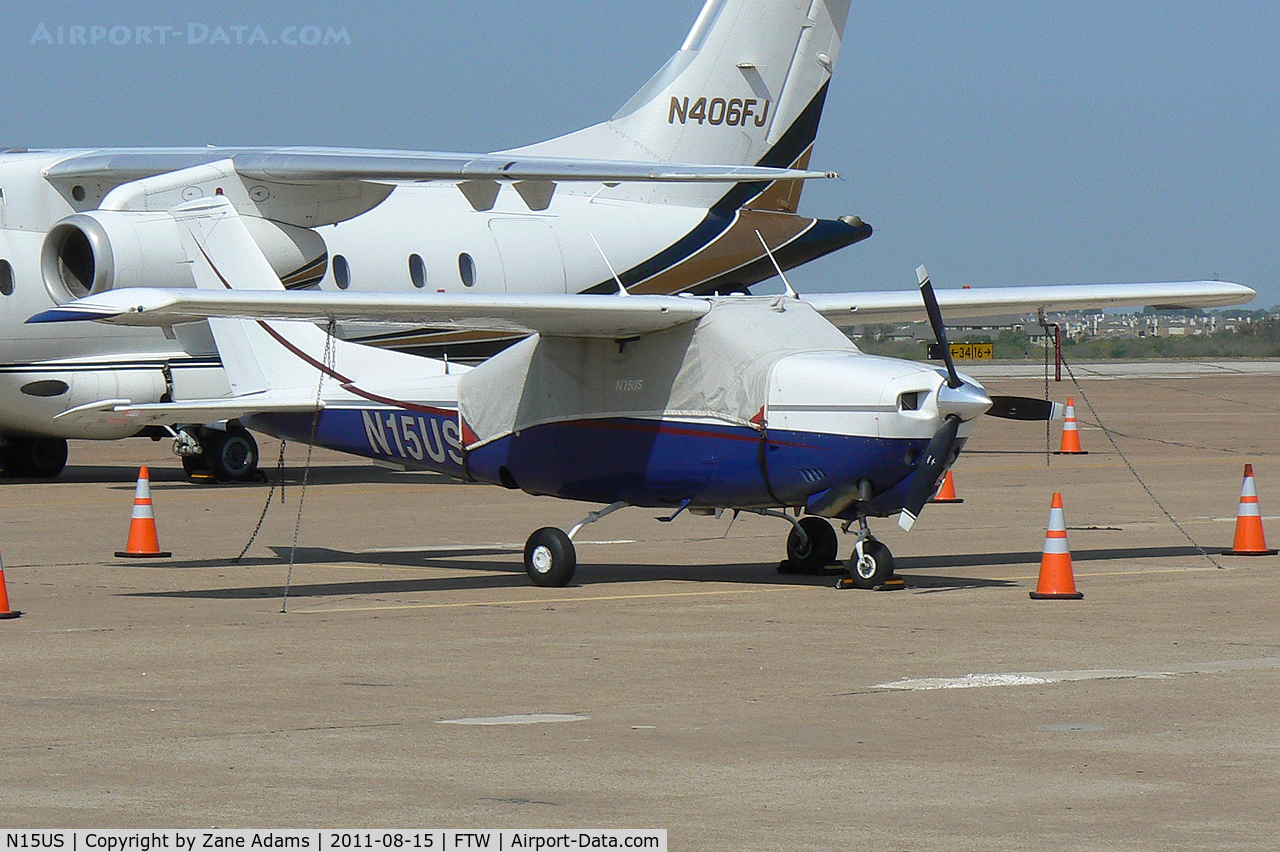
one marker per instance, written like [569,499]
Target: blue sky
[1000,143]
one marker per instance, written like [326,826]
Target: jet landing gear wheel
[870,565]
[811,556]
[38,458]
[550,558]
[234,455]
[228,456]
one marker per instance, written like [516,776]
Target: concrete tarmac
[418,680]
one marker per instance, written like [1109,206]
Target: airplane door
[531,257]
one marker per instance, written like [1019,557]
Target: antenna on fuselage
[622,291]
[790,290]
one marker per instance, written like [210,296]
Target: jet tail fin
[746,86]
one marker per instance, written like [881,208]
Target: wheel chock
[892,584]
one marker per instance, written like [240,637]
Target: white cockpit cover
[716,368]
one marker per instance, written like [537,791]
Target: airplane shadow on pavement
[507,572]
[125,477]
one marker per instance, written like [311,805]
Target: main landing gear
[217,455]
[33,456]
[812,546]
[549,555]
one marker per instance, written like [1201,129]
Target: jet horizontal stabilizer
[303,165]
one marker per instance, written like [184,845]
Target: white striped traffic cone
[1070,432]
[1250,539]
[1057,582]
[144,540]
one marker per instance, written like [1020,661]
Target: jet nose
[966,402]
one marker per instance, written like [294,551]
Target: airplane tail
[747,86]
[277,356]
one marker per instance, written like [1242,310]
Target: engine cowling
[100,250]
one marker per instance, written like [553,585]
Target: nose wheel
[870,565]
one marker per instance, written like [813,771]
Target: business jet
[746,403]
[685,189]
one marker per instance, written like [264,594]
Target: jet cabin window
[467,270]
[341,272]
[417,271]
[6,278]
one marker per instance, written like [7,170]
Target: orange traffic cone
[1071,433]
[144,540]
[5,612]
[947,493]
[1057,582]
[1250,539]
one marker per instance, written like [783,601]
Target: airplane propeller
[1024,408]
[1002,405]
[929,467]
[939,329]
[960,401]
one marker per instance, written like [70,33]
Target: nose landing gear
[871,564]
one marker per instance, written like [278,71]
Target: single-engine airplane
[673,188]
[747,403]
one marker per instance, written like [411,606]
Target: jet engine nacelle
[99,250]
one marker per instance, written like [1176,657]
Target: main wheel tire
[550,558]
[819,551]
[232,455]
[875,566]
[38,458]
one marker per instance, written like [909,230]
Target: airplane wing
[583,315]
[550,315]
[849,309]
[321,165]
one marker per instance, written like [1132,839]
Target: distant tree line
[1259,339]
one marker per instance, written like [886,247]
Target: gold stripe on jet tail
[735,248]
[307,274]
[782,196]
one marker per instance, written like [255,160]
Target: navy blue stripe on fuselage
[639,461]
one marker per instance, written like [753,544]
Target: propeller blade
[929,469]
[935,320]
[1024,408]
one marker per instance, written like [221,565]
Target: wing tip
[68,314]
